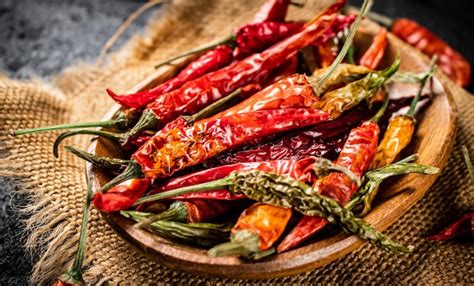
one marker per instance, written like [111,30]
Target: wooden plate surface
[433,142]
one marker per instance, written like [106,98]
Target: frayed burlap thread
[57,186]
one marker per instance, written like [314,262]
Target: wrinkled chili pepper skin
[205,210]
[166,153]
[463,225]
[449,60]
[272,11]
[258,37]
[195,95]
[357,155]
[374,54]
[298,169]
[212,60]
[267,221]
[397,136]
[122,196]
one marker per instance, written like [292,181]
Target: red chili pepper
[373,56]
[122,196]
[257,37]
[294,168]
[357,154]
[213,60]
[272,11]
[166,153]
[205,210]
[449,60]
[462,226]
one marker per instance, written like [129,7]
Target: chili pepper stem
[316,83]
[243,242]
[379,18]
[382,110]
[108,124]
[74,275]
[229,40]
[209,186]
[176,212]
[112,164]
[133,171]
[323,167]
[147,121]
[62,136]
[424,79]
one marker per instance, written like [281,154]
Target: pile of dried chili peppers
[243,153]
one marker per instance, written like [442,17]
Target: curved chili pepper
[213,60]
[374,54]
[122,196]
[356,155]
[449,60]
[453,64]
[462,226]
[294,168]
[166,153]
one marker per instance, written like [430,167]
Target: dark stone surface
[43,37]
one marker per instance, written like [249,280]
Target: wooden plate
[433,143]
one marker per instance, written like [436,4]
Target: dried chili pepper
[400,128]
[122,196]
[374,54]
[283,191]
[326,54]
[74,275]
[213,60]
[466,223]
[294,168]
[201,234]
[450,61]
[356,155]
[271,11]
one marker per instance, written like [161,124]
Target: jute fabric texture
[57,186]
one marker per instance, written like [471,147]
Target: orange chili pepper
[374,55]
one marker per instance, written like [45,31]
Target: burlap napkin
[56,186]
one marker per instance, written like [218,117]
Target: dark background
[40,38]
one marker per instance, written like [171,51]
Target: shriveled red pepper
[460,227]
[326,54]
[167,153]
[213,60]
[298,169]
[356,155]
[451,62]
[122,196]
[374,54]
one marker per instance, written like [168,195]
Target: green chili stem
[467,159]
[62,136]
[209,186]
[350,55]
[176,212]
[133,171]
[229,40]
[424,79]
[218,106]
[316,83]
[112,164]
[382,109]
[107,124]
[147,121]
[243,242]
